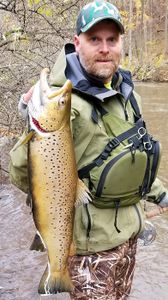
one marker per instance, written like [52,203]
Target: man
[105,231]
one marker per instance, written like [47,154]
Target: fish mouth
[36,123]
[43,95]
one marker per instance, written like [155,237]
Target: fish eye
[61,101]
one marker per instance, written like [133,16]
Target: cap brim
[94,22]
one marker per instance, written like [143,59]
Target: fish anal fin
[83,195]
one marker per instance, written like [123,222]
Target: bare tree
[33,31]
[130,30]
[166,28]
[31,34]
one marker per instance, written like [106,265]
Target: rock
[6,144]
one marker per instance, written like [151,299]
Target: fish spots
[57,180]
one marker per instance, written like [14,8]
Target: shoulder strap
[127,78]
[97,107]
[135,106]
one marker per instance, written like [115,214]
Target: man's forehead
[105,25]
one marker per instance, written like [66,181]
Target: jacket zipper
[124,109]
[89,223]
[106,170]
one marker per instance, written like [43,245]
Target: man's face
[99,50]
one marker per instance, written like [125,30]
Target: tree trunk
[130,32]
[166,29]
[141,32]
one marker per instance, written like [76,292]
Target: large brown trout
[54,182]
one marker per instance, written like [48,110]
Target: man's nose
[104,48]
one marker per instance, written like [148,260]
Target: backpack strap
[127,80]
[156,156]
[111,145]
[135,106]
[147,183]
[97,108]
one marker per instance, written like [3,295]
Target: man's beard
[102,72]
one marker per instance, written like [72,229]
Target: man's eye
[94,39]
[112,40]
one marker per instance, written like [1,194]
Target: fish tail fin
[37,244]
[83,195]
[56,282]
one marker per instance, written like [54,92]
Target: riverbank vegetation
[146,41]
[33,31]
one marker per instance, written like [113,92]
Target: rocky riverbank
[6,144]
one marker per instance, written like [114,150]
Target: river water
[21,269]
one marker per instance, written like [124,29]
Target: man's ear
[77,43]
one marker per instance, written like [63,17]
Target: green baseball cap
[97,11]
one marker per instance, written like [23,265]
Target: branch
[6,7]
[69,7]
[12,40]
[2,169]
[47,21]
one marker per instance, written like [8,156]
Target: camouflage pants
[104,275]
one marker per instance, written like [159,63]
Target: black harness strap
[97,107]
[144,188]
[135,106]
[150,171]
[156,151]
[127,78]
[111,145]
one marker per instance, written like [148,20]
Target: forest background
[33,31]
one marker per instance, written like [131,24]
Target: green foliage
[159,60]
[31,3]
[45,10]
[42,7]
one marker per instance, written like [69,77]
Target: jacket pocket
[121,176]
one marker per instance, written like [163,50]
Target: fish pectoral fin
[24,140]
[83,195]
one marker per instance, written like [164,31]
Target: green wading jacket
[94,228]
